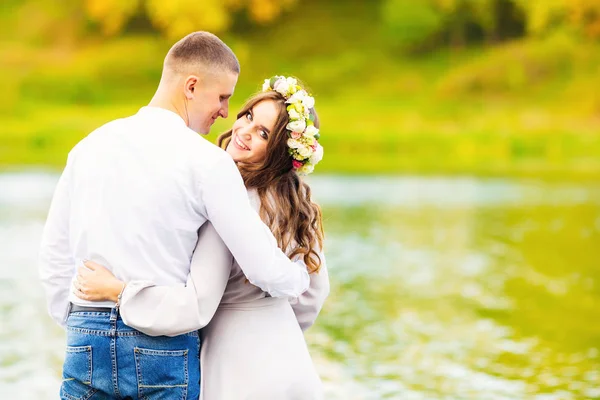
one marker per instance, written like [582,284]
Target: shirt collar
[162,113]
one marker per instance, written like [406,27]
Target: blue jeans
[106,359]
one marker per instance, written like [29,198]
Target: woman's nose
[246,132]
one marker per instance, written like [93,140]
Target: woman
[253,347]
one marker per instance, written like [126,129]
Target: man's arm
[247,237]
[56,263]
[174,310]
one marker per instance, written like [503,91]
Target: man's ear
[190,85]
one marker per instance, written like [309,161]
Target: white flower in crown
[285,86]
[310,131]
[306,169]
[294,144]
[267,85]
[294,114]
[281,86]
[297,97]
[300,109]
[308,140]
[317,156]
[297,126]
[309,102]
[305,151]
[301,96]
[293,83]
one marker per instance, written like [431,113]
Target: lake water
[442,288]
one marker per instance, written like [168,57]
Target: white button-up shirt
[132,197]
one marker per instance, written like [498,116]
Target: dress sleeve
[174,310]
[308,305]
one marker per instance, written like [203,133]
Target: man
[132,197]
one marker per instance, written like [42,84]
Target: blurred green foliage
[487,87]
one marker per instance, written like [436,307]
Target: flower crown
[303,142]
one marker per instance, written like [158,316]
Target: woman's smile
[239,144]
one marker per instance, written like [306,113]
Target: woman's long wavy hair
[286,205]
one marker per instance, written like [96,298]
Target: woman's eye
[264,135]
[249,116]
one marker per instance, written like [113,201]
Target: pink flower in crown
[297,164]
[296,135]
[314,146]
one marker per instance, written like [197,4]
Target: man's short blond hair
[201,50]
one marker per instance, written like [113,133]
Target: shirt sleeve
[56,261]
[247,237]
[308,305]
[175,310]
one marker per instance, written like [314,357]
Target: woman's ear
[190,86]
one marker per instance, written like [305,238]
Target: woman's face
[250,133]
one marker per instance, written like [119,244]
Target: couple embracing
[158,242]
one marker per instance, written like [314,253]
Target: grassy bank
[522,108]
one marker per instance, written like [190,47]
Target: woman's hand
[96,283]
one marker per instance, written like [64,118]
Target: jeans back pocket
[161,374]
[77,373]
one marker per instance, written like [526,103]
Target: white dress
[253,347]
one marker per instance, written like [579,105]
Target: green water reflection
[442,289]
[465,302]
